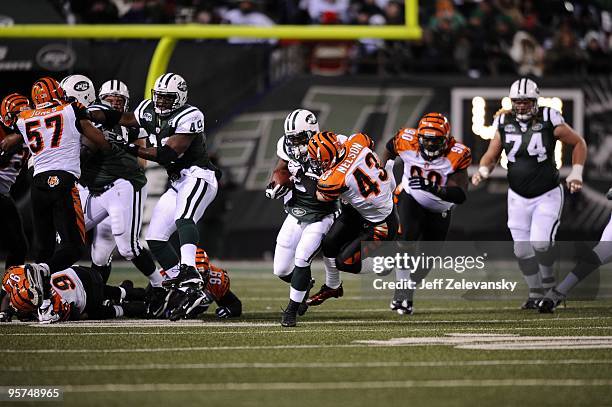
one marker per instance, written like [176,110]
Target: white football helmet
[300,126]
[115,87]
[169,93]
[524,94]
[79,87]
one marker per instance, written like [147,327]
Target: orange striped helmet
[202,260]
[47,92]
[22,295]
[434,135]
[11,106]
[324,150]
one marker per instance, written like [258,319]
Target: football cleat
[157,301]
[188,275]
[531,303]
[34,274]
[46,314]
[303,306]
[191,301]
[547,306]
[324,293]
[289,318]
[402,307]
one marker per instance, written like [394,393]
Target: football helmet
[433,133]
[79,87]
[300,126]
[11,106]
[47,92]
[23,295]
[115,94]
[324,151]
[169,93]
[202,260]
[524,94]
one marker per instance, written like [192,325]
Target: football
[281,177]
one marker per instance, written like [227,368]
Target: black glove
[223,312]
[423,184]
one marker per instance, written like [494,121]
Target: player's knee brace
[523,250]
[164,253]
[187,231]
[301,278]
[528,266]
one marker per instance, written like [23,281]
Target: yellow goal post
[169,34]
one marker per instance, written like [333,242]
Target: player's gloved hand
[276,191]
[609,194]
[5,316]
[223,312]
[423,184]
[294,167]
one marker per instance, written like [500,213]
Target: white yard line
[143,323]
[294,331]
[326,365]
[285,386]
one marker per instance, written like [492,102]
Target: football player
[434,181]
[11,164]
[112,185]
[308,219]
[52,131]
[183,303]
[351,171]
[76,293]
[589,261]
[176,136]
[528,135]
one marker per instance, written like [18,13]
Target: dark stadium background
[245,90]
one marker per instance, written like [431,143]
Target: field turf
[450,353]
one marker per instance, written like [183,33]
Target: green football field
[352,351]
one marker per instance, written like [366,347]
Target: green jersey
[185,120]
[303,206]
[104,168]
[530,148]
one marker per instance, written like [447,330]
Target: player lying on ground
[589,261]
[76,293]
[190,301]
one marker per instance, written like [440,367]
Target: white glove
[276,191]
[294,167]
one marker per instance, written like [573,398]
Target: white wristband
[484,171]
[576,173]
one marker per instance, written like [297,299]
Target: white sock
[295,295]
[118,311]
[332,275]
[156,278]
[567,284]
[188,253]
[123,293]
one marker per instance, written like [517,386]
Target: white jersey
[52,136]
[360,180]
[70,287]
[406,145]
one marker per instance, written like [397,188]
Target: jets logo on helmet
[300,126]
[115,94]
[79,87]
[169,93]
[524,95]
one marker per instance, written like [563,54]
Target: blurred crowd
[477,37]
